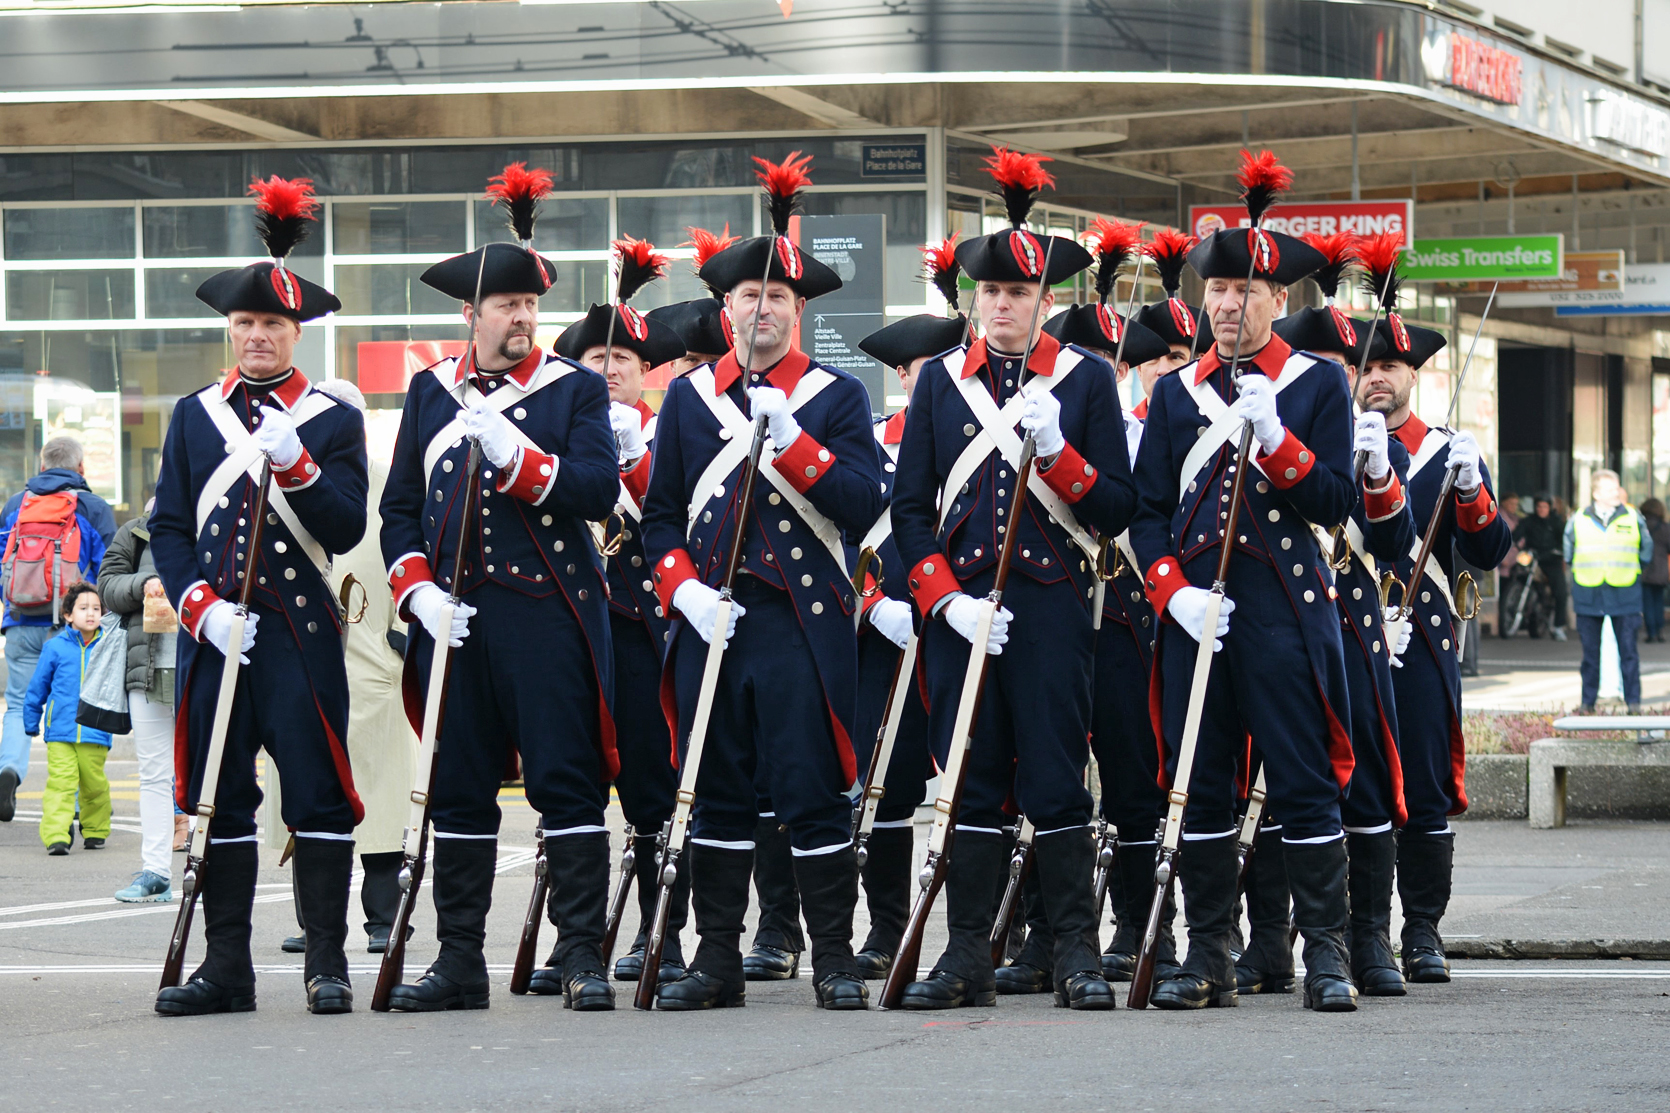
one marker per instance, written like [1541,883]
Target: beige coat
[382,746]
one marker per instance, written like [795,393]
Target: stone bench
[1551,757]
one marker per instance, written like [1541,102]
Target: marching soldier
[905,347]
[531,670]
[1429,683]
[1285,631]
[292,694]
[950,506]
[794,638]
[637,623]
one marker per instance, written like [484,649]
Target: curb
[1644,949]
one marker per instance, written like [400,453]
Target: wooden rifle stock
[521,974]
[191,881]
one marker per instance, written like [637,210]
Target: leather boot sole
[771,966]
[1096,995]
[975,999]
[1021,979]
[1426,969]
[629,968]
[1201,997]
[1381,981]
[1264,983]
[404,1003]
[547,981]
[1118,966]
[874,966]
[234,1003]
[594,996]
[733,997]
[330,1000]
[1331,995]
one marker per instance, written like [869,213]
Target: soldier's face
[1264,302]
[1384,388]
[504,333]
[625,372]
[1007,310]
[263,343]
[689,361]
[1156,369]
[779,309]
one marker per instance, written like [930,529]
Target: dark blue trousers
[1031,734]
[1626,628]
[769,717]
[647,782]
[274,710]
[1424,740]
[1368,798]
[1261,685]
[1122,734]
[906,777]
[523,681]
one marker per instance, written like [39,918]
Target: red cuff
[672,570]
[529,476]
[406,574]
[298,476]
[635,477]
[931,581]
[1165,579]
[1289,463]
[194,604]
[803,462]
[865,602]
[1380,505]
[1069,476]
[1477,513]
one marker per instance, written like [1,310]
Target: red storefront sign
[1324,218]
[387,366]
[1484,70]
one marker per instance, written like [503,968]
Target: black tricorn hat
[789,265]
[701,325]
[505,268]
[925,334]
[1015,254]
[1328,330]
[1410,343]
[635,332]
[284,215]
[1175,321]
[1098,327]
[1238,252]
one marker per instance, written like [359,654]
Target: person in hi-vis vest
[1606,546]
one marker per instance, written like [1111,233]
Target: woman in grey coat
[126,578]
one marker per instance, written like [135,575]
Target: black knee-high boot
[1062,863]
[1207,869]
[323,869]
[719,902]
[828,886]
[225,982]
[648,881]
[778,939]
[1267,964]
[380,897]
[463,892]
[1425,864]
[887,875]
[963,975]
[578,906]
[1029,971]
[1372,862]
[1316,875]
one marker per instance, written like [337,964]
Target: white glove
[425,603]
[1464,456]
[780,423]
[1371,438]
[629,431]
[963,613]
[1257,405]
[891,618]
[216,628]
[494,431]
[699,604]
[1188,607]
[1403,629]
[1041,416]
[276,436]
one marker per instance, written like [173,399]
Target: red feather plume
[1340,251]
[1169,249]
[1262,178]
[519,191]
[1379,254]
[1115,242]
[708,245]
[1019,177]
[942,269]
[782,182]
[284,212]
[639,266]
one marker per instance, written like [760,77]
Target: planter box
[1497,788]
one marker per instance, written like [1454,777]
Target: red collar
[1140,410]
[784,375]
[1042,361]
[644,412]
[1270,360]
[893,429]
[1412,432]
[522,374]
[288,393]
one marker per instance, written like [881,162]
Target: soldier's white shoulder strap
[466,395]
[1435,441]
[1224,425]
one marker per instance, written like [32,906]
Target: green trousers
[73,767]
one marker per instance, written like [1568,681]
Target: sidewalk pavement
[1523,673]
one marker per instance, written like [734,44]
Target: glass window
[664,220]
[389,290]
[907,231]
[69,233]
[579,284]
[173,292]
[69,295]
[381,360]
[565,224]
[209,231]
[398,227]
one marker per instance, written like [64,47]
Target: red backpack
[43,555]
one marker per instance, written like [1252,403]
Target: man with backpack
[53,534]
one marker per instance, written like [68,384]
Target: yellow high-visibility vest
[1608,555]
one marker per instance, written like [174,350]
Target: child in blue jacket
[75,754]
